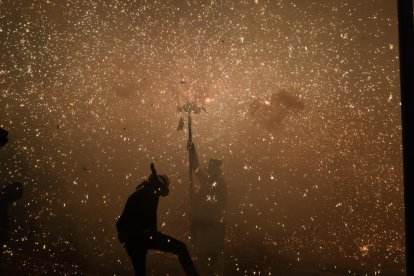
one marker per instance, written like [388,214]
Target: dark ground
[21,264]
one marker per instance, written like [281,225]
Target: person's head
[162,184]
[214,167]
[12,192]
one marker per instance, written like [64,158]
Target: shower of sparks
[90,91]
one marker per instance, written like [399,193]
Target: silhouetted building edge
[406,41]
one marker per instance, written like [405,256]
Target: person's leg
[138,255]
[217,236]
[166,243]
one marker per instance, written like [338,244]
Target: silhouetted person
[209,208]
[10,194]
[137,226]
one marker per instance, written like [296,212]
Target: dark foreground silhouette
[137,226]
[8,195]
[3,137]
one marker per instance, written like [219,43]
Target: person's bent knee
[181,248]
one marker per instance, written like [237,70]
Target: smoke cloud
[272,114]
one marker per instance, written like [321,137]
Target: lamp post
[189,108]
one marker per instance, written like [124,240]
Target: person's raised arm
[195,165]
[153,171]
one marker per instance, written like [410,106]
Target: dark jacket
[140,213]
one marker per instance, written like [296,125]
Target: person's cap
[164,179]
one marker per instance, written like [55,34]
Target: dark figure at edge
[10,194]
[137,226]
[209,206]
[3,137]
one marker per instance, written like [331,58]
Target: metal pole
[190,164]
[406,40]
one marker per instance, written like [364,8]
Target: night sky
[303,107]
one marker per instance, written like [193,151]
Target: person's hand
[190,146]
[153,171]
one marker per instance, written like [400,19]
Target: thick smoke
[89,93]
[272,114]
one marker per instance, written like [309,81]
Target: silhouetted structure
[189,108]
[10,194]
[406,43]
[137,226]
[208,216]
